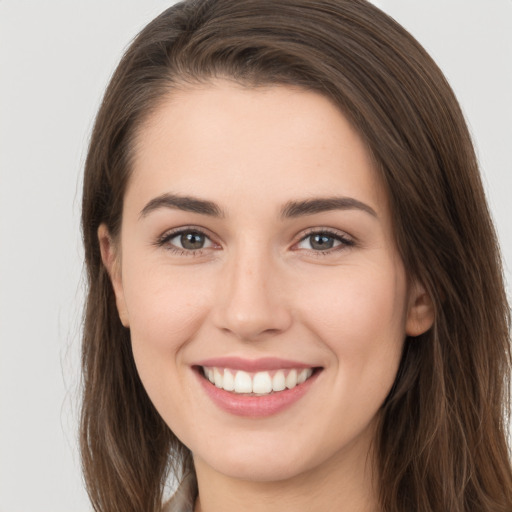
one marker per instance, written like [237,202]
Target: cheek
[362,322]
[166,308]
[166,311]
[360,300]
[360,315]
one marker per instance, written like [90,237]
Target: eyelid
[346,240]
[164,240]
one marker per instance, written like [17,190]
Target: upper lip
[252,365]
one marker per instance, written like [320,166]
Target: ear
[420,313]
[112,262]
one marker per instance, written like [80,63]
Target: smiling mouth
[256,383]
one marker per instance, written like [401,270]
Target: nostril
[253,323]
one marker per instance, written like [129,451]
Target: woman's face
[256,249]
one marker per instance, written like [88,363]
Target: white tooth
[217,376]
[243,382]
[229,381]
[278,381]
[303,375]
[210,375]
[291,379]
[262,383]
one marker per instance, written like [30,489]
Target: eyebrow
[185,203]
[319,205]
[292,209]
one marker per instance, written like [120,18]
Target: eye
[191,240]
[186,240]
[323,241]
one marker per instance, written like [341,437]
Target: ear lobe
[420,314]
[112,263]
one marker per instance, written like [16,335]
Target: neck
[344,483]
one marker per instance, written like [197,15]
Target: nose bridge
[252,302]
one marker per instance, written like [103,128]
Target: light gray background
[55,60]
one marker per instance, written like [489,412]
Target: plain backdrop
[55,59]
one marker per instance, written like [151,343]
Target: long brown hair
[441,444]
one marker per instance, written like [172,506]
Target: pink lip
[252,365]
[254,406]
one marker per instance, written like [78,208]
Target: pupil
[322,242]
[192,241]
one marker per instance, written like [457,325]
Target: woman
[295,292]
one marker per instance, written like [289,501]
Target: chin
[262,460]
[258,470]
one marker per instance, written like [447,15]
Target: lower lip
[255,406]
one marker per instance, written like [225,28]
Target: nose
[251,304]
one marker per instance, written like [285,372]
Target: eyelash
[344,241]
[164,241]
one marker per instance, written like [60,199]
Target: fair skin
[258,271]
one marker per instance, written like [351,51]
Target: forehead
[230,141]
